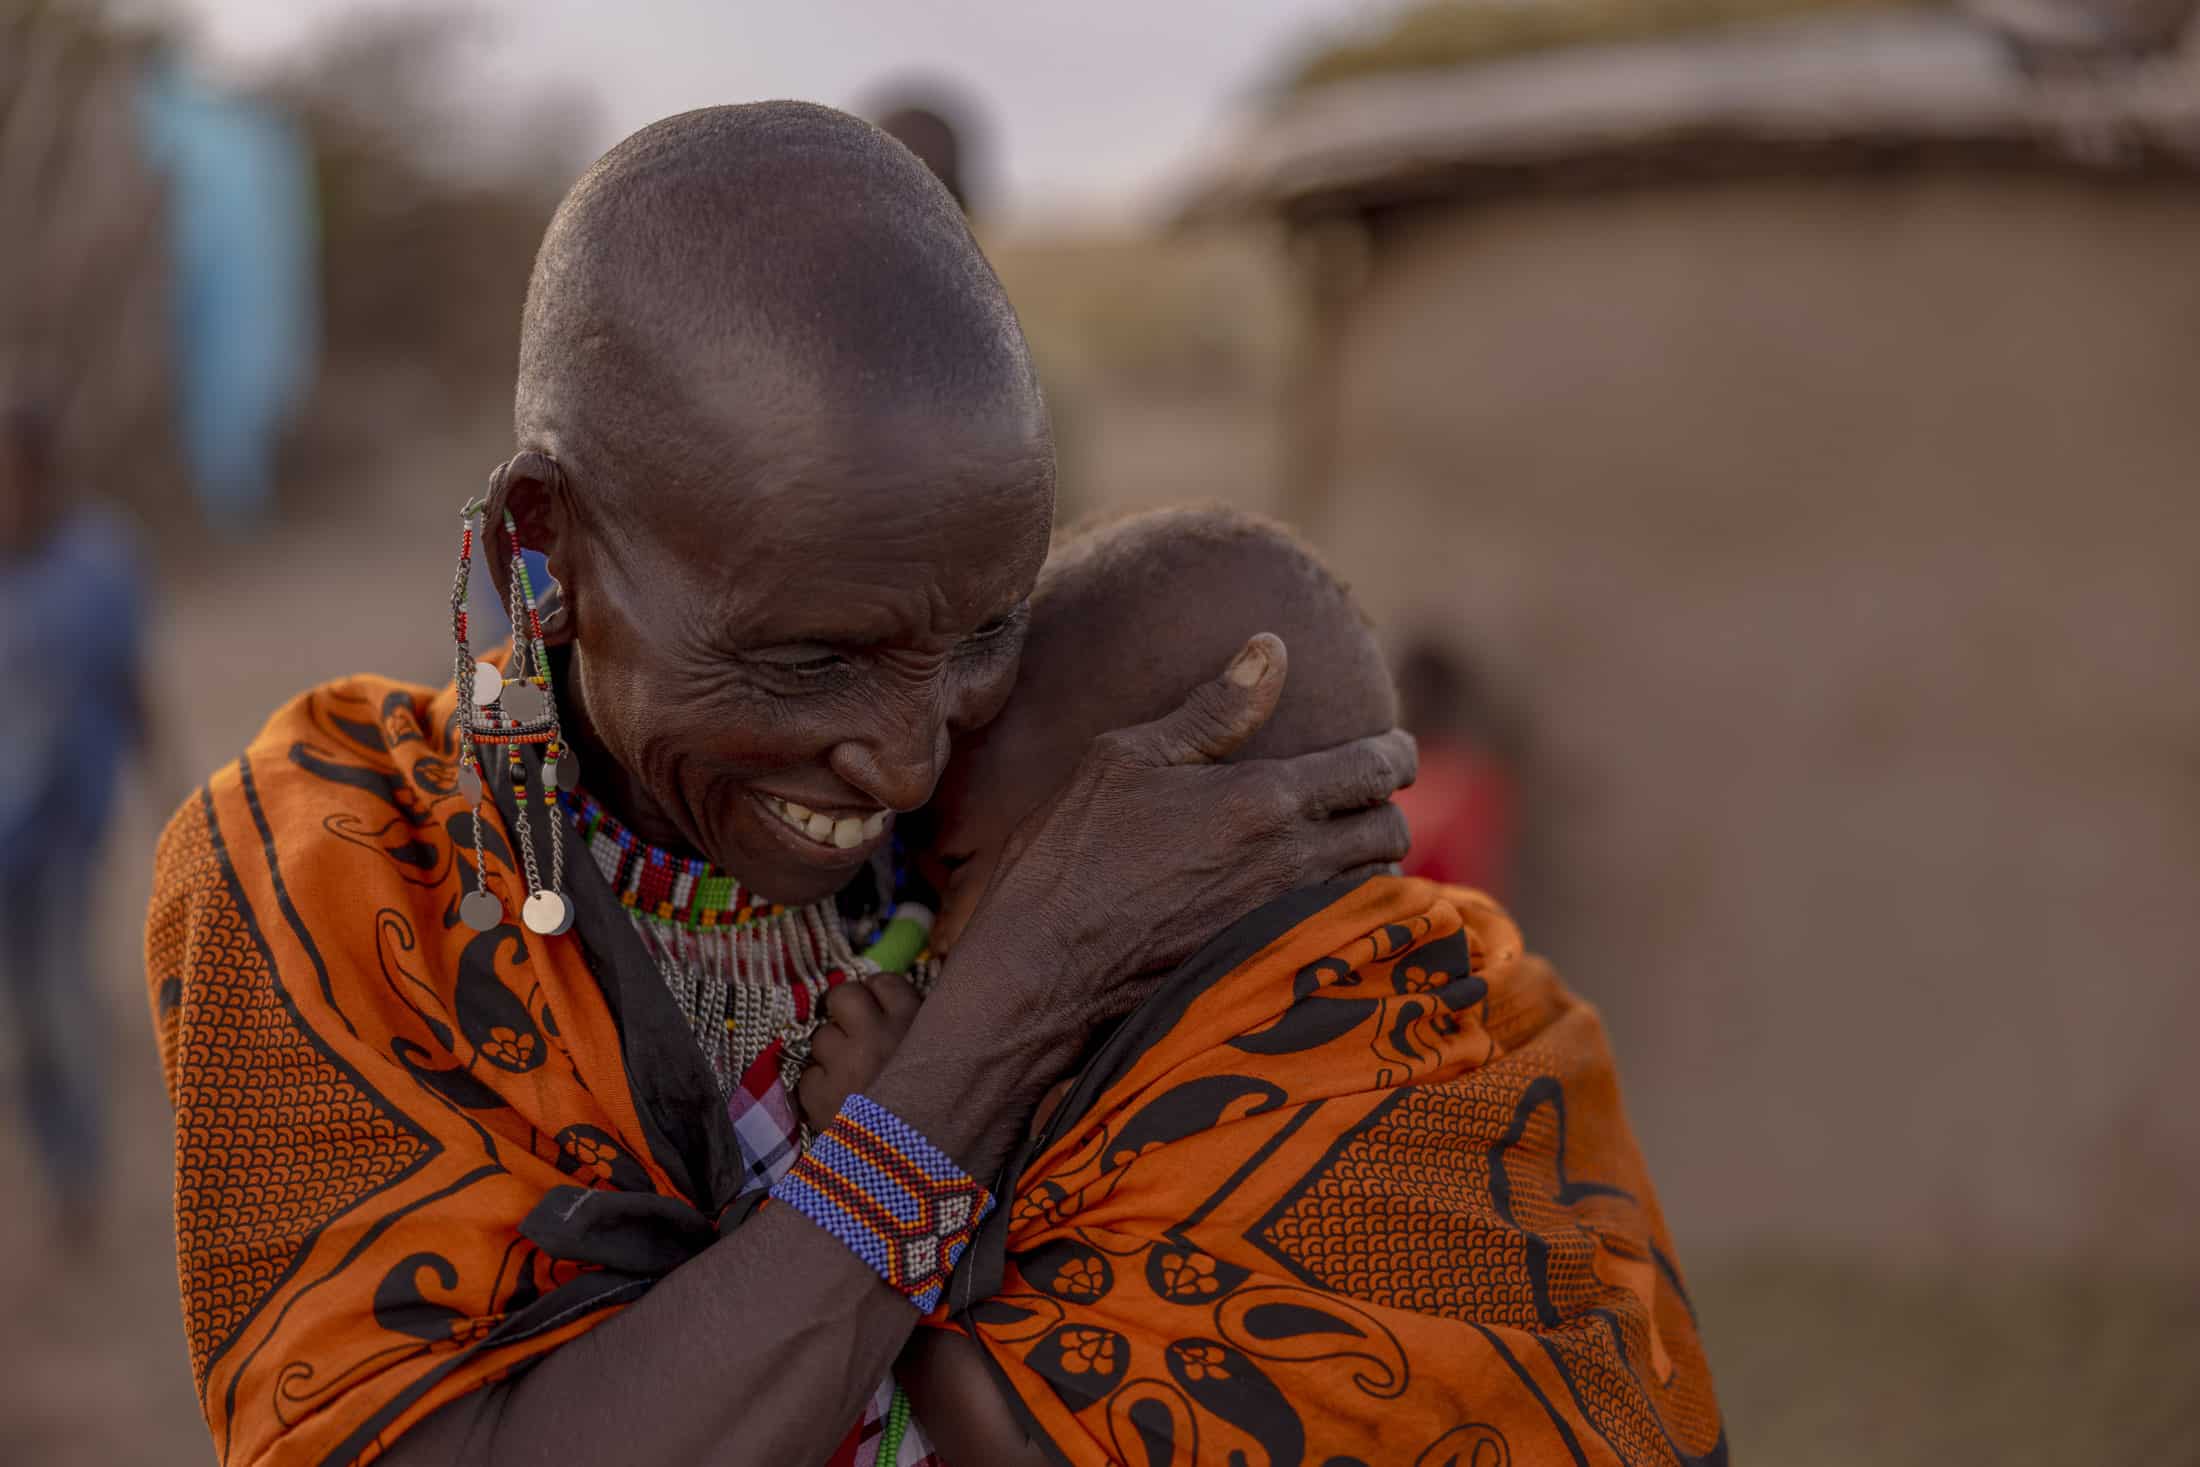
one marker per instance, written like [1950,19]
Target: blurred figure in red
[1464,807]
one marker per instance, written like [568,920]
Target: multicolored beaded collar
[681,890]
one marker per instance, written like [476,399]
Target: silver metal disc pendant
[469,784]
[568,772]
[525,702]
[480,910]
[488,683]
[547,913]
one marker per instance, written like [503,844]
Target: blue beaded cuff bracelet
[891,1197]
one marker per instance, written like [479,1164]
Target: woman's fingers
[1360,843]
[1219,716]
[1353,777]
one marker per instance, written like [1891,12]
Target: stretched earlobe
[527,486]
[527,491]
[557,619]
[533,463]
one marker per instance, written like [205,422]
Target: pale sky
[1092,104]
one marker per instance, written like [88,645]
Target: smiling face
[787,457]
[771,683]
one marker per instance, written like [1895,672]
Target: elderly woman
[479,1007]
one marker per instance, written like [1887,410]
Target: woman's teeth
[846,832]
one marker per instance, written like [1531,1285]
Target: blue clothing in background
[72,615]
[244,248]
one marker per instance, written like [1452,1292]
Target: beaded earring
[510,706]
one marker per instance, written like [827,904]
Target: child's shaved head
[1127,620]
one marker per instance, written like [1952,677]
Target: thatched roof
[1805,93]
[1428,35]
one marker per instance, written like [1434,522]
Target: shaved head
[1133,614]
[728,289]
[784,451]
[1127,620]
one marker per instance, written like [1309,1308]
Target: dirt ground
[1821,1360]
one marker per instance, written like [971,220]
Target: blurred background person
[1465,806]
[72,714]
[943,124]
[922,117]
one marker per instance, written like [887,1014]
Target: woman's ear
[530,487]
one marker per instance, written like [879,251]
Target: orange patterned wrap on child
[1355,1187]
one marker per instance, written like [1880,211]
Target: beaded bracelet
[891,1197]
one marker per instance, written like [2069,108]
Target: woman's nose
[900,763]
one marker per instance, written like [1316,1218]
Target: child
[1127,617]
[1347,1167]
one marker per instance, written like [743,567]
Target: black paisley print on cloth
[409,1156]
[1355,1187]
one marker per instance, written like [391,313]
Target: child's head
[1127,620]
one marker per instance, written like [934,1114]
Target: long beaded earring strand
[511,711]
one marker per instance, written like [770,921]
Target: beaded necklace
[684,890]
[744,972]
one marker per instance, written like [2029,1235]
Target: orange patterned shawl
[381,1115]
[1354,1187]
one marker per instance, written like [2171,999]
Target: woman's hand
[1153,846]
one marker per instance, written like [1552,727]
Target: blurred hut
[1802,419]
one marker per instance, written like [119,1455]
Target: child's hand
[865,1019]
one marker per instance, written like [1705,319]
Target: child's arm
[959,1405]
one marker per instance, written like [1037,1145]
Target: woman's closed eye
[803,659]
[996,629]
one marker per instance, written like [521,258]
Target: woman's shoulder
[344,801]
[362,758]
[382,720]
[358,749]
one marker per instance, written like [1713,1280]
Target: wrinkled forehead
[802,486]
